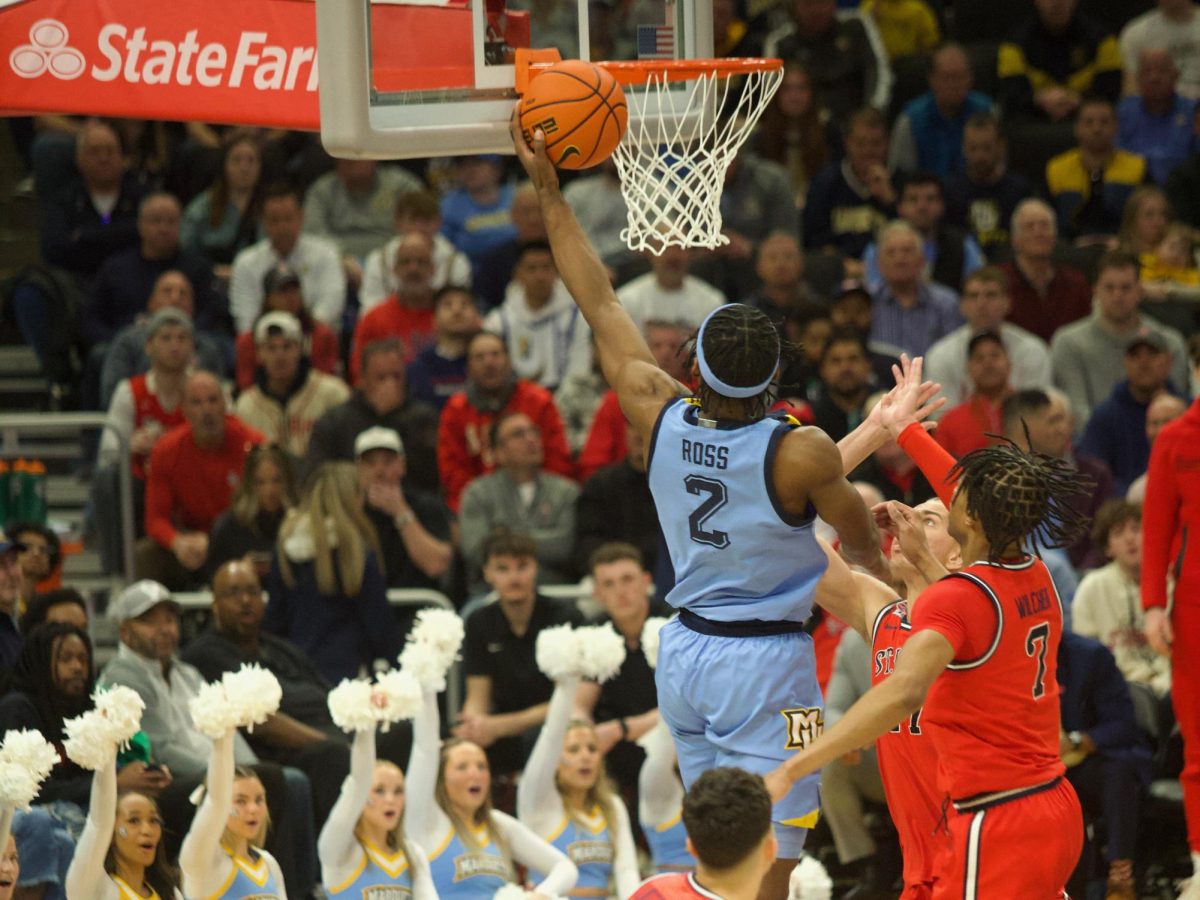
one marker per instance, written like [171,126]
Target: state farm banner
[251,62]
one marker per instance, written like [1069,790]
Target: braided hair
[1013,494]
[743,348]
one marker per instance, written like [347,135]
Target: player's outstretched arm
[853,597]
[642,388]
[910,400]
[925,656]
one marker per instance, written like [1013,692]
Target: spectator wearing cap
[381,398]
[967,427]
[413,526]
[147,406]
[985,304]
[1046,295]
[440,370]
[288,396]
[125,282]
[283,291]
[352,208]
[907,311]
[126,354]
[477,215]
[851,307]
[547,337]
[10,593]
[192,474]
[464,449]
[415,211]
[408,313]
[39,554]
[520,495]
[147,661]
[1116,430]
[1088,355]
[315,260]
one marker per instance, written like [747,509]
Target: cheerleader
[222,855]
[565,797]
[120,855]
[472,847]
[660,804]
[362,847]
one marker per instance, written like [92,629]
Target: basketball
[580,109]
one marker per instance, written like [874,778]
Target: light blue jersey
[461,873]
[588,845]
[668,845]
[737,553]
[380,876]
[248,880]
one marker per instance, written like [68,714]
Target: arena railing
[399,597]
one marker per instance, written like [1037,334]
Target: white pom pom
[397,695]
[30,751]
[120,709]
[254,692]
[557,652]
[426,664]
[810,881]
[441,628]
[88,742]
[18,786]
[649,639]
[600,651]
[512,892]
[213,712]
[350,706]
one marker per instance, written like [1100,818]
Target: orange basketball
[581,110]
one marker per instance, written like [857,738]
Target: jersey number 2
[715,496]
[1036,643]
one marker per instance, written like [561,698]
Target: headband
[729,390]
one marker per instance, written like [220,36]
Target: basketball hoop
[672,161]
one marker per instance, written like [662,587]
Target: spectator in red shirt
[463,447]
[1045,294]
[967,426]
[408,312]
[282,291]
[193,472]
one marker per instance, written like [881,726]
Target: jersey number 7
[1036,643]
[715,496]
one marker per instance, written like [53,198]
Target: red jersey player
[981,662]
[727,815]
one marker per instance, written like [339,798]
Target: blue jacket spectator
[478,215]
[1157,123]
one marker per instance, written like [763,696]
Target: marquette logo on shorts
[471,864]
[804,726]
[386,892]
[583,852]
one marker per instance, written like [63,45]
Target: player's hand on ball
[1159,633]
[541,172]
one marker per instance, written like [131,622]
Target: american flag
[656,42]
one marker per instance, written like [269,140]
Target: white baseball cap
[378,438]
[282,323]
[139,598]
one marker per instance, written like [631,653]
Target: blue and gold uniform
[380,876]
[463,873]
[668,845]
[589,845]
[128,893]
[248,880]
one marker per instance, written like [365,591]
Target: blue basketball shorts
[749,702]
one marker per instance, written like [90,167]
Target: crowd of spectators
[354,376]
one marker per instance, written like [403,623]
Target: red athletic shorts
[1025,847]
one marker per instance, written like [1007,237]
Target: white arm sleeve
[120,419]
[424,821]
[6,820]
[276,873]
[422,878]
[86,878]
[625,865]
[539,804]
[337,847]
[660,793]
[202,862]
[534,853]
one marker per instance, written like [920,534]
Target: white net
[672,160]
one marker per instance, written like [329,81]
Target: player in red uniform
[981,663]
[727,815]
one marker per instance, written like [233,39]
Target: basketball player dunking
[981,658]
[736,492]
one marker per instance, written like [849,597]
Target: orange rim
[635,72]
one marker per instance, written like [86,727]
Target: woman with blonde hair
[326,584]
[250,527]
[473,847]
[222,855]
[1144,220]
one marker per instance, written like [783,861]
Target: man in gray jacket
[147,661]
